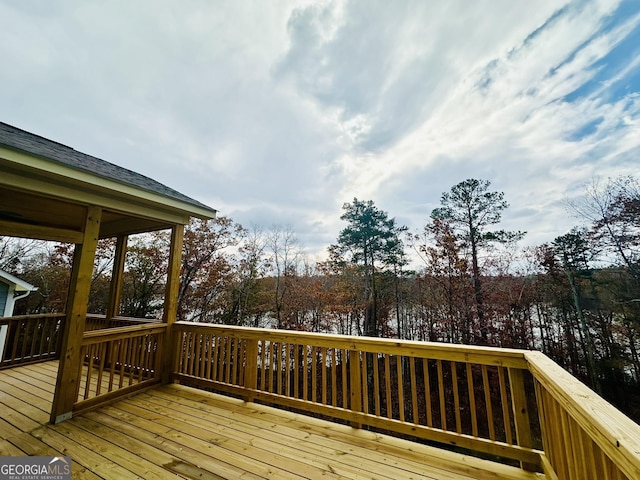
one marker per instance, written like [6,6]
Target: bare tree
[286,253]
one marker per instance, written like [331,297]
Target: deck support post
[66,393]
[115,289]
[171,293]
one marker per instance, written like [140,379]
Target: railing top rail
[463,353]
[137,320]
[97,336]
[27,317]
[128,319]
[616,434]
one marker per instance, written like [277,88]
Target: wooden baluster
[520,412]
[235,361]
[251,368]
[387,383]
[179,352]
[443,409]
[456,396]
[506,417]
[53,335]
[157,359]
[83,353]
[219,364]
[263,365]
[217,358]
[487,400]
[271,361]
[16,327]
[102,353]
[209,357]
[414,390]
[305,378]
[187,351]
[427,391]
[228,345]
[44,330]
[296,370]
[32,339]
[376,385]
[89,376]
[115,347]
[199,355]
[314,374]
[28,327]
[126,364]
[142,342]
[134,362]
[334,378]
[356,384]
[609,471]
[278,369]
[364,380]
[345,399]
[569,448]
[150,341]
[123,360]
[241,360]
[287,369]
[399,360]
[472,401]
[323,365]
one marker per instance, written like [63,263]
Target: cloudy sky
[278,112]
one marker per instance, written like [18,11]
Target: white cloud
[278,112]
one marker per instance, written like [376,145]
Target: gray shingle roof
[17,139]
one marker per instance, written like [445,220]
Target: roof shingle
[17,139]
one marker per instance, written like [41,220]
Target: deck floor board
[180,432]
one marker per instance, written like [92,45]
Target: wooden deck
[181,432]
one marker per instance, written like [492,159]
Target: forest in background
[576,298]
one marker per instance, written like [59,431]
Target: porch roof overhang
[46,187]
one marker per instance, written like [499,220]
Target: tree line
[576,298]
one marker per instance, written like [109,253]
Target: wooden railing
[510,404]
[30,338]
[118,361]
[37,338]
[462,396]
[584,437]
[120,355]
[98,322]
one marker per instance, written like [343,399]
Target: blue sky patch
[585,130]
[605,83]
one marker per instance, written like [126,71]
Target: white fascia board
[51,168]
[20,285]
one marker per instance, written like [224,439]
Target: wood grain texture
[175,431]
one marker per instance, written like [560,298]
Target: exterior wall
[6,306]
[5,292]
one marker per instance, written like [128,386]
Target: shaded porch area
[180,431]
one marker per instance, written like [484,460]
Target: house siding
[4,293]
